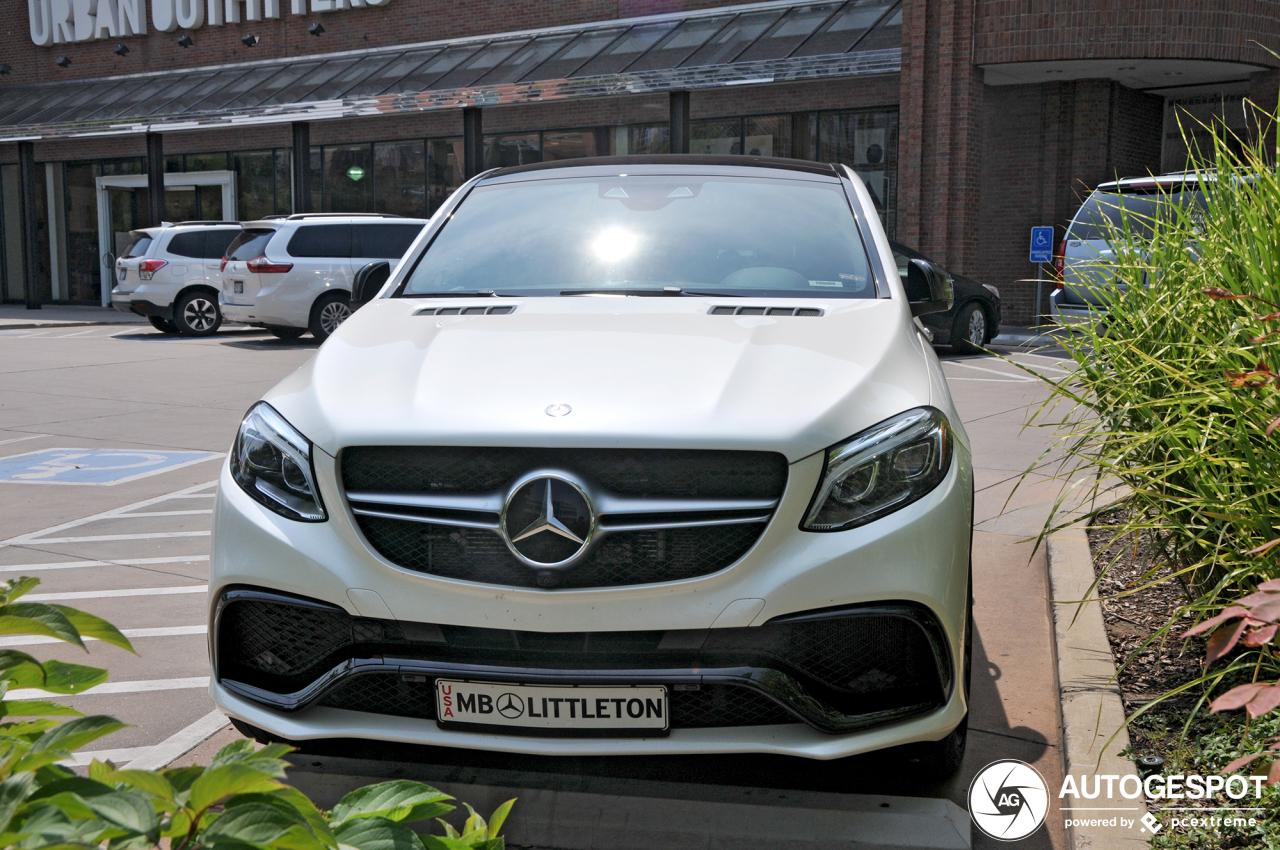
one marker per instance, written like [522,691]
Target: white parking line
[131,634]
[165,513]
[116,594]
[136,687]
[1010,375]
[38,536]
[20,439]
[122,562]
[107,538]
[180,743]
[117,757]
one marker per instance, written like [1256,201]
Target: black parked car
[974,319]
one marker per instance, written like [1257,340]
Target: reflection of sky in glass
[614,244]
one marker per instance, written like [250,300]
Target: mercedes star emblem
[547,520]
[510,706]
[559,410]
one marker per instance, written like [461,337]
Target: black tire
[282,332]
[197,314]
[969,332]
[163,325]
[329,311]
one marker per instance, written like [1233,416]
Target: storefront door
[123,204]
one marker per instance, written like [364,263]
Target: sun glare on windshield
[614,244]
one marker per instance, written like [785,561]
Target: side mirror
[369,280]
[928,288]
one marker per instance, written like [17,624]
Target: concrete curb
[1092,709]
[601,813]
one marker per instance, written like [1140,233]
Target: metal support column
[30,224]
[155,178]
[472,142]
[302,167]
[679,122]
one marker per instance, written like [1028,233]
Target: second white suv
[293,274]
[171,275]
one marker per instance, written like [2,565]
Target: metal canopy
[760,43]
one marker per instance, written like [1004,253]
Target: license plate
[237,287]
[124,274]
[587,709]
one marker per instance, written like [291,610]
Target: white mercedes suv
[292,274]
[628,456]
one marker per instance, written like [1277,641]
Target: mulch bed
[1132,620]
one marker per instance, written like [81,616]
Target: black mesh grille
[711,706]
[859,662]
[625,472]
[622,558]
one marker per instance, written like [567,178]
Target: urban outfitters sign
[65,21]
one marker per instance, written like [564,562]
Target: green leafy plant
[1170,406]
[238,802]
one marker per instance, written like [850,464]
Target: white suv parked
[293,274]
[171,275]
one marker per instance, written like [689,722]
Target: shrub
[1171,403]
[236,803]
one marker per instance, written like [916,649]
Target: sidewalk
[13,316]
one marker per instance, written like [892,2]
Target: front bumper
[917,558]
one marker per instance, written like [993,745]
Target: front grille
[435,510]
[626,472]
[623,558]
[710,706]
[856,661]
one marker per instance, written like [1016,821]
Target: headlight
[884,468]
[272,462]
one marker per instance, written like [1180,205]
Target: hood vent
[726,310]
[467,311]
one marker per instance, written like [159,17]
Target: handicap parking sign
[93,466]
[1042,244]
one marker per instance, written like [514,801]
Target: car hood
[633,372]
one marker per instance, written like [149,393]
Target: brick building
[969,120]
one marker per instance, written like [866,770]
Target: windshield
[716,235]
[1143,209]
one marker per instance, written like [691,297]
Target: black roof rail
[300,216]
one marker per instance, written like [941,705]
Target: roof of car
[702,160]
[339,218]
[1152,181]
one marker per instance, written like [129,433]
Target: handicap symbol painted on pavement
[93,466]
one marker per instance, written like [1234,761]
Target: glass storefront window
[641,139]
[173,164]
[317,180]
[868,143]
[572,144]
[444,169]
[509,150]
[134,165]
[348,183]
[206,162]
[84,266]
[10,190]
[767,135]
[721,136]
[400,178]
[284,181]
[255,184]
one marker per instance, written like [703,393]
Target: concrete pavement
[131,388]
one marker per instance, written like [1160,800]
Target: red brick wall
[1048,146]
[1039,30]
[939,147]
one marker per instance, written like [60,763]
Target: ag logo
[1008,800]
[510,706]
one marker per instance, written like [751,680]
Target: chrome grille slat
[406,500]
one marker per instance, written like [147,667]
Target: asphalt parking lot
[110,439]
